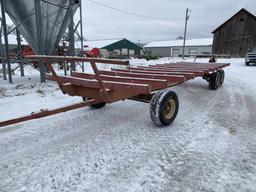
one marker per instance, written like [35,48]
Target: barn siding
[236,36]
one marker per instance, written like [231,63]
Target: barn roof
[241,10]
[99,43]
[178,43]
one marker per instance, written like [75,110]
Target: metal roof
[178,43]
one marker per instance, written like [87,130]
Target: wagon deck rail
[141,83]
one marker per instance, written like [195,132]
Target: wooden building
[236,35]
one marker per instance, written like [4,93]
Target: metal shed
[174,48]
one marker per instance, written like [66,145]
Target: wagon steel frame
[108,86]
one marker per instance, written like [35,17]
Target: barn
[235,36]
[174,48]
[113,48]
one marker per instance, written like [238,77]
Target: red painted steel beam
[173,79]
[78,59]
[163,72]
[197,66]
[111,85]
[196,63]
[154,83]
[191,67]
[46,113]
[166,69]
[98,78]
[205,70]
[219,66]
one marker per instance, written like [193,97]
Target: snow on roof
[98,43]
[177,43]
[12,40]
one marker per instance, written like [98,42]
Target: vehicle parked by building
[250,57]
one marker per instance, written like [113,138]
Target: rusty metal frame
[138,83]
[166,71]
[171,77]
[155,83]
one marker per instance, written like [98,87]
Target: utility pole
[185,32]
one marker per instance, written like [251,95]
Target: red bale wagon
[145,84]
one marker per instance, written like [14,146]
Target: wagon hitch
[46,112]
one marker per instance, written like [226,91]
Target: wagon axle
[215,79]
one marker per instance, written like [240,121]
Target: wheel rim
[169,109]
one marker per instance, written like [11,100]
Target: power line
[131,13]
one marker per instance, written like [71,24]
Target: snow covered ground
[210,146]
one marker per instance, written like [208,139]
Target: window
[124,51]
[117,52]
[131,52]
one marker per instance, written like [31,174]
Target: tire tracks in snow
[175,148]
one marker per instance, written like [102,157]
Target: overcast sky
[206,15]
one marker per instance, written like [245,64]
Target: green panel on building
[123,44]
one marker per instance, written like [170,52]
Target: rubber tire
[214,81]
[157,107]
[95,106]
[222,77]
[247,63]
